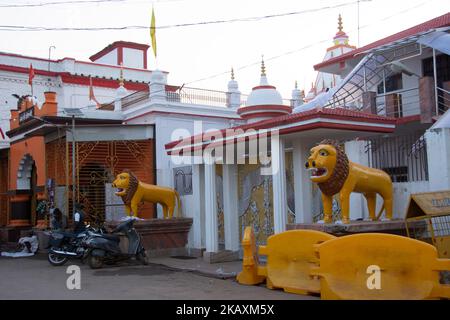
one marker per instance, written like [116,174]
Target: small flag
[91,93]
[31,75]
[153,32]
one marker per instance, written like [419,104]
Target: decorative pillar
[230,206]
[233,94]
[370,102]
[355,151]
[297,96]
[211,227]
[198,193]
[279,184]
[302,183]
[157,86]
[427,100]
[393,105]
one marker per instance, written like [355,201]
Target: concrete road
[35,278]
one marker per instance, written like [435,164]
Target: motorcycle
[64,245]
[106,249]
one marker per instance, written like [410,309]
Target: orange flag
[31,75]
[91,93]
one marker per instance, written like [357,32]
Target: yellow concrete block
[380,266]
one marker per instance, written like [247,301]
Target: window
[393,83]
[403,157]
[442,68]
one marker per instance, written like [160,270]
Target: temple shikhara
[235,160]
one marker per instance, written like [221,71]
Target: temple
[324,81]
[235,160]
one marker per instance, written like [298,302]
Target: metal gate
[97,164]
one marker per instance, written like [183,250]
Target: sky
[291,44]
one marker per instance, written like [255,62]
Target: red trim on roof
[300,128]
[9,68]
[81,80]
[100,82]
[264,87]
[270,107]
[119,44]
[262,114]
[438,22]
[326,113]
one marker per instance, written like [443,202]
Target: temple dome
[263,102]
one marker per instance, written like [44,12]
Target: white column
[355,151]
[279,184]
[438,158]
[198,192]
[212,234]
[157,86]
[230,206]
[302,183]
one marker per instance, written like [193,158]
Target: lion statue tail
[380,212]
[178,204]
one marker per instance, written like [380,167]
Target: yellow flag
[152,32]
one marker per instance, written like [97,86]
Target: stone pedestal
[397,227]
[162,236]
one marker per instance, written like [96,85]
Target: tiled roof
[438,22]
[328,113]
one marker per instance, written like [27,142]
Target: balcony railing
[134,98]
[198,96]
[399,103]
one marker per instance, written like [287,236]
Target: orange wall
[35,146]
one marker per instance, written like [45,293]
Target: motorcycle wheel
[56,259]
[142,257]
[95,262]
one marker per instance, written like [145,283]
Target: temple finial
[232,73]
[340,28]
[121,80]
[263,67]
[296,85]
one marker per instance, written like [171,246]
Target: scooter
[105,248]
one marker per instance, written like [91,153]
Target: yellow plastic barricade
[380,266]
[290,256]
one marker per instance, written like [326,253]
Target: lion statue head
[329,166]
[126,184]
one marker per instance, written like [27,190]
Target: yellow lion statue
[132,191]
[334,173]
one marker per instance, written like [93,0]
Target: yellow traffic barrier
[290,256]
[380,266]
[250,274]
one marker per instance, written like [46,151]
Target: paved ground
[35,278]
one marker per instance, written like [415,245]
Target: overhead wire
[134,27]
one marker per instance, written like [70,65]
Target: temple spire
[232,73]
[263,67]
[340,28]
